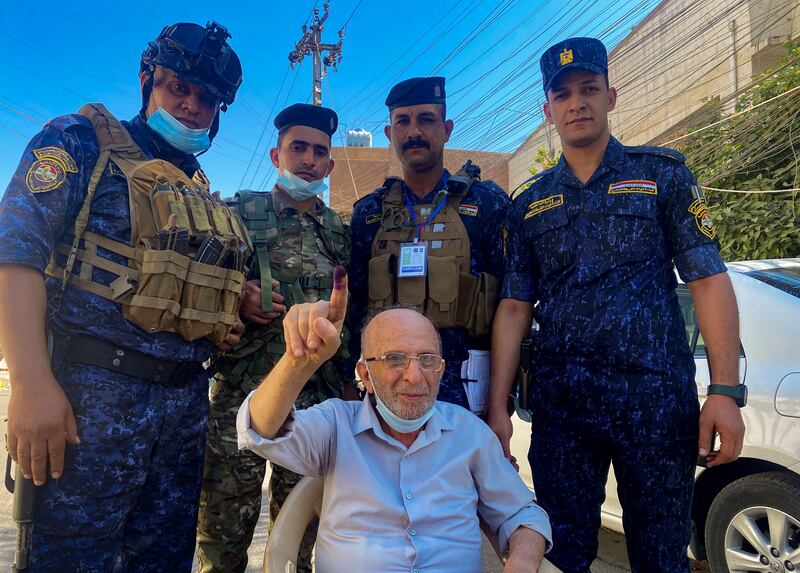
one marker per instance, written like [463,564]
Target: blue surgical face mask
[298,188]
[178,135]
[398,424]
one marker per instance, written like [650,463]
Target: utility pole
[311,44]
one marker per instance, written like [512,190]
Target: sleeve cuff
[531,516]
[248,439]
[699,262]
[518,286]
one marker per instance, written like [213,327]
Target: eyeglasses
[400,361]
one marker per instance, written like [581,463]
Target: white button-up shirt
[390,508]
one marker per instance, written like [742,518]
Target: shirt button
[416,571]
[412,532]
[409,496]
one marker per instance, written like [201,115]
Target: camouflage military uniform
[614,376]
[296,246]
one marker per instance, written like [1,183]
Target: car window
[693,334]
[786,279]
[690,318]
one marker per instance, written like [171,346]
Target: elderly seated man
[405,477]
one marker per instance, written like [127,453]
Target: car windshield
[786,279]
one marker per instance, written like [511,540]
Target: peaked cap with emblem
[315,116]
[584,53]
[416,91]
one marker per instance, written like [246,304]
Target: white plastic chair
[302,504]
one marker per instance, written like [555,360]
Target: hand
[233,337]
[500,423]
[314,330]
[40,419]
[250,309]
[720,415]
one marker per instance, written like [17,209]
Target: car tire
[754,525]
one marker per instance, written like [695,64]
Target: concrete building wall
[682,55]
[370,166]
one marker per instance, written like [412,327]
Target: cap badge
[437,91]
[566,57]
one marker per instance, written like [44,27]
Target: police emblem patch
[437,91]
[50,169]
[45,175]
[566,57]
[702,218]
[469,210]
[543,205]
[635,186]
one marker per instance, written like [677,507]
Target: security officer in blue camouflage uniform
[593,241]
[130,403]
[453,222]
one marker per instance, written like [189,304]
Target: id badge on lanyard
[413,261]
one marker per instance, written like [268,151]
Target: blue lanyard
[433,214]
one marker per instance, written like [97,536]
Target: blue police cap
[416,91]
[584,53]
[315,116]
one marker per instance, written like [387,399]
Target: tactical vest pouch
[381,282]
[209,301]
[155,306]
[486,299]
[411,292]
[169,207]
[197,210]
[219,219]
[443,291]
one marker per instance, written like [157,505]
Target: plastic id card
[413,260]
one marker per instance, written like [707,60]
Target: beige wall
[371,165]
[678,57]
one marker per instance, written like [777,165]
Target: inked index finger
[338,302]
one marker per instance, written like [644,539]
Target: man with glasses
[405,475]
[80,254]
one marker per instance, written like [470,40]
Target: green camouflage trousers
[230,501]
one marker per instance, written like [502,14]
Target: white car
[746,514]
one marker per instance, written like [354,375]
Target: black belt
[104,354]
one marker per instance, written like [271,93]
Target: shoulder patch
[57,154]
[45,175]
[702,218]
[660,151]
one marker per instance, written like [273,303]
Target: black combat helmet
[198,55]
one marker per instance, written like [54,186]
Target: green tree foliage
[757,150]
[542,162]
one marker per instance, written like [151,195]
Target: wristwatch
[738,392]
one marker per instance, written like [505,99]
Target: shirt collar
[367,419]
[613,159]
[280,203]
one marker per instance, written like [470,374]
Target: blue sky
[56,56]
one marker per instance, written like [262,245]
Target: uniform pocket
[200,314]
[156,304]
[411,292]
[633,231]
[443,283]
[381,282]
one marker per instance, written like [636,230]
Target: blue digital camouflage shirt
[598,258]
[484,227]
[41,204]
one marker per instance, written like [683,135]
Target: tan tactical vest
[174,219]
[449,295]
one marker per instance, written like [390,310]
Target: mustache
[416,143]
